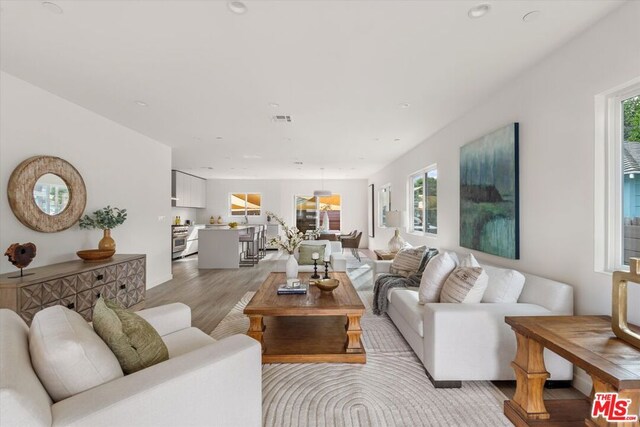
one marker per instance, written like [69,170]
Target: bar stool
[248,254]
[262,241]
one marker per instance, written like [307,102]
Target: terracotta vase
[107,243]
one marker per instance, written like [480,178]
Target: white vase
[292,267]
[325,221]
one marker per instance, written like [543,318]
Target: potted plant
[104,219]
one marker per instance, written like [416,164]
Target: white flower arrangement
[292,236]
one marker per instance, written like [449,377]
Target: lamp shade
[394,219]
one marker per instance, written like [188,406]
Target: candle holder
[326,270]
[315,270]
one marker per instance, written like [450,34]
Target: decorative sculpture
[619,307]
[21,255]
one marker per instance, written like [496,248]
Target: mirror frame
[20,193]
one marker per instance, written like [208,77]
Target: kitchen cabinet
[188,191]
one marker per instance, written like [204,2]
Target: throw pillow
[465,285]
[468,260]
[434,276]
[306,252]
[131,338]
[505,285]
[407,261]
[67,355]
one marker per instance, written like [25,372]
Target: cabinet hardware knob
[123,286]
[71,306]
[99,277]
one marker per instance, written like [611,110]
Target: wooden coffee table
[318,327]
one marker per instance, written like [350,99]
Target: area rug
[391,389]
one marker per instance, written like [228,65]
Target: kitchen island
[219,246]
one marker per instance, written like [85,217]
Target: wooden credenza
[76,285]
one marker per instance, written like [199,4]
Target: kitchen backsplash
[184,214]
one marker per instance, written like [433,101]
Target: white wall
[278,197]
[554,103]
[120,168]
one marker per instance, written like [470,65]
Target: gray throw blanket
[385,282]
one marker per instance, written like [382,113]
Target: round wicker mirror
[26,193]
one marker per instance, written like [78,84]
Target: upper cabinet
[188,191]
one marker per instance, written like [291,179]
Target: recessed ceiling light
[218,137]
[251,156]
[273,105]
[531,16]
[376,139]
[237,7]
[479,11]
[360,158]
[404,105]
[52,7]
[141,103]
[397,139]
[298,163]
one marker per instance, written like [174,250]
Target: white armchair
[203,382]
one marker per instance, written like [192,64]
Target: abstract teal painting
[489,194]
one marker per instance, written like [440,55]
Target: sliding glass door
[310,212]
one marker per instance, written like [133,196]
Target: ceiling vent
[281,119]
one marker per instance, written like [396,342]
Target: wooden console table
[589,343]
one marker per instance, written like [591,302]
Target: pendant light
[323,192]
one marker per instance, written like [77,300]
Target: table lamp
[394,219]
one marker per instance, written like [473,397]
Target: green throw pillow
[136,344]
[306,251]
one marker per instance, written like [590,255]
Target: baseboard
[582,381]
[159,282]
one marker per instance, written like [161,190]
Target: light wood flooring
[212,293]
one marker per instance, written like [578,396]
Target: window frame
[410,201]
[319,217]
[229,203]
[608,194]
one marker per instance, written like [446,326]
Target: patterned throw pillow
[407,261]
[465,285]
[136,344]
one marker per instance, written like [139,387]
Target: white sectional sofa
[332,253]
[468,342]
[204,381]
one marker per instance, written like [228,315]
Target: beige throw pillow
[136,344]
[434,276]
[465,285]
[407,260]
[67,355]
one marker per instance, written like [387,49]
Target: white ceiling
[339,68]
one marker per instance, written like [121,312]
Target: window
[310,212]
[242,204]
[618,177]
[423,197]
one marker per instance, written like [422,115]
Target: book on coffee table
[301,290]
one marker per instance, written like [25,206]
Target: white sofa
[203,383]
[332,253]
[469,342]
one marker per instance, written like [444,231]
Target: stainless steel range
[180,234]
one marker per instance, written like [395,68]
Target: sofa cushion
[67,355]
[434,276]
[185,341]
[465,285]
[505,285]
[306,254]
[325,243]
[467,260]
[23,399]
[136,344]
[407,261]
[405,300]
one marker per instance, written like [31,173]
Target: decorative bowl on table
[327,285]
[93,255]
